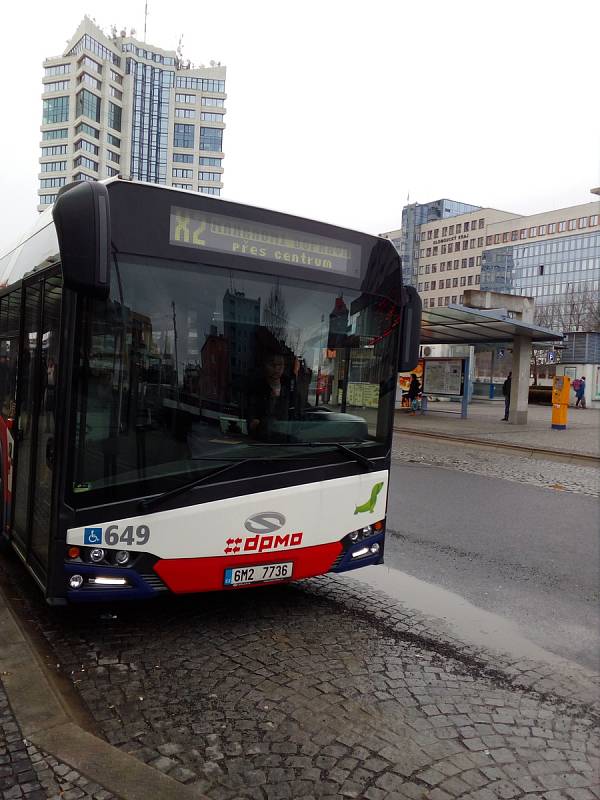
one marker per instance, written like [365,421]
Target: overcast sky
[339,109]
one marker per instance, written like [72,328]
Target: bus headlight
[97,554]
[76,581]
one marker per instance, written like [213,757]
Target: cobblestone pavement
[326,689]
[497,464]
[26,772]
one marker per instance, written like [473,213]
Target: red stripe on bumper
[207,574]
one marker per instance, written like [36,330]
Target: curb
[529,452]
[46,721]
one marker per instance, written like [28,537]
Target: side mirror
[82,220]
[410,329]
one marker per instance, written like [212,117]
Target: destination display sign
[206,231]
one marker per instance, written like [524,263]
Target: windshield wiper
[146,505]
[358,457]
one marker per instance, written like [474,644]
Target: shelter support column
[519,392]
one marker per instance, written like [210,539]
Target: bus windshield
[187,366]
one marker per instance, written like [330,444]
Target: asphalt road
[527,553]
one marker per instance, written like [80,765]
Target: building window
[436,233]
[552,227]
[52,183]
[523,233]
[448,283]
[472,262]
[463,263]
[480,241]
[57,69]
[594,219]
[90,81]
[183,158]
[83,127]
[209,161]
[54,166]
[111,171]
[447,300]
[505,236]
[477,279]
[178,172]
[469,280]
[443,266]
[451,230]
[211,116]
[113,140]
[463,280]
[428,252]
[216,102]
[435,250]
[454,283]
[429,234]
[458,227]
[82,144]
[481,222]
[186,113]
[114,92]
[114,116]
[86,61]
[471,243]
[443,250]
[583,222]
[56,86]
[451,247]
[562,226]
[466,226]
[87,42]
[47,199]
[478,261]
[455,264]
[572,224]
[87,163]
[185,98]
[465,245]
[542,230]
[454,298]
[533,231]
[183,135]
[88,105]
[427,269]
[496,238]
[113,157]
[81,176]
[114,76]
[433,284]
[419,287]
[489,240]
[55,109]
[183,185]
[440,301]
[56,133]
[55,150]
[203,84]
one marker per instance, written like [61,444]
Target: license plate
[238,576]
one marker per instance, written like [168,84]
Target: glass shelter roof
[455,324]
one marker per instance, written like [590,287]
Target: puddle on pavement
[465,621]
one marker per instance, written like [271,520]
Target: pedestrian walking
[580,393]
[506,392]
[414,390]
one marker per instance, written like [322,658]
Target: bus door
[36,400]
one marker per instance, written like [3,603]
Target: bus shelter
[463,325]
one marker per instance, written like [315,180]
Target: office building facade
[114,105]
[405,239]
[553,257]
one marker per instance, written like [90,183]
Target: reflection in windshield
[186,366]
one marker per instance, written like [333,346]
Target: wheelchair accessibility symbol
[92,536]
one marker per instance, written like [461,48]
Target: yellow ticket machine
[561,386]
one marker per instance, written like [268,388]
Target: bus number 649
[139,535]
